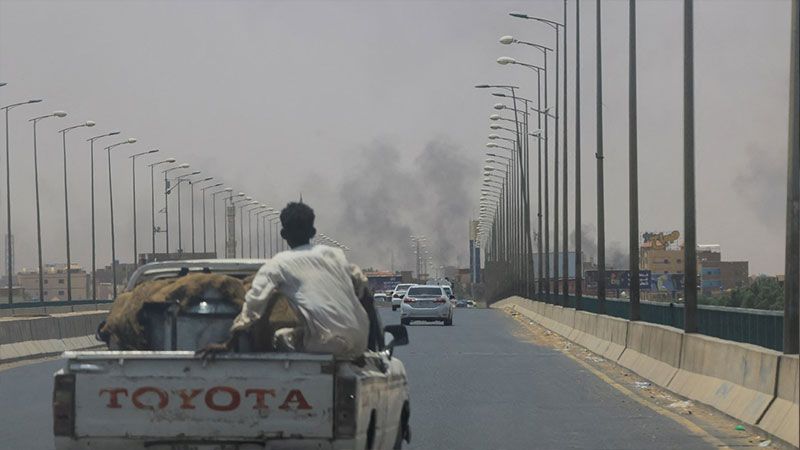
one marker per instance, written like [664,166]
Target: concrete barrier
[737,379]
[652,351]
[24,338]
[613,331]
[783,415]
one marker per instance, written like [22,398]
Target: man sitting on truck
[319,283]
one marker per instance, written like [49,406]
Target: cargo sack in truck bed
[124,323]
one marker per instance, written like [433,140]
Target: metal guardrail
[53,304]
[751,326]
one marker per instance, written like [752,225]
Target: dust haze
[385,200]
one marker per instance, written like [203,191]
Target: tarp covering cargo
[125,325]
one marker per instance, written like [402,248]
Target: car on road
[462,304]
[164,396]
[428,303]
[398,294]
[449,292]
[381,299]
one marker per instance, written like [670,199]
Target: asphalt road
[473,386]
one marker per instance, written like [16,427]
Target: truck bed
[169,396]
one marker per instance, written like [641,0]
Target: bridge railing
[52,307]
[751,326]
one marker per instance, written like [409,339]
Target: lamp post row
[493,226]
[64,131]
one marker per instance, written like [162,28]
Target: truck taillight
[64,405]
[440,300]
[345,405]
[408,300]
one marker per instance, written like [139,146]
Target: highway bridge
[521,374]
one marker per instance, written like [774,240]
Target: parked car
[428,303]
[398,294]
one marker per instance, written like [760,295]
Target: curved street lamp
[203,194]
[91,176]
[10,254]
[153,229]
[35,120]
[191,184]
[133,177]
[166,199]
[111,208]
[64,132]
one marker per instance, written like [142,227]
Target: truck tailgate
[174,395]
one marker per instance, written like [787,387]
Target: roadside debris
[739,428]
[595,359]
[766,443]
[683,404]
[642,384]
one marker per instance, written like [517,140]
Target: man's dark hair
[297,221]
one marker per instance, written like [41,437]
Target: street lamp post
[558,28]
[791,293]
[230,223]
[601,225]
[259,246]
[133,177]
[63,132]
[506,60]
[111,208]
[241,223]
[94,241]
[178,181]
[166,200]
[689,211]
[36,120]
[191,185]
[203,194]
[153,228]
[578,228]
[633,170]
[9,261]
[270,217]
[255,206]
[214,215]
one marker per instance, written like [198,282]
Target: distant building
[382,281]
[20,295]
[717,276]
[55,282]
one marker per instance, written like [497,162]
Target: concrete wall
[783,416]
[736,378]
[24,338]
[750,383]
[652,351]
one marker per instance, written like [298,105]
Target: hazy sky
[367,108]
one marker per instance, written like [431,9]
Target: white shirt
[317,280]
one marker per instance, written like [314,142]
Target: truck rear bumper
[63,443]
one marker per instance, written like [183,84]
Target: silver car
[428,303]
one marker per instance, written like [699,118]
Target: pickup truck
[171,399]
